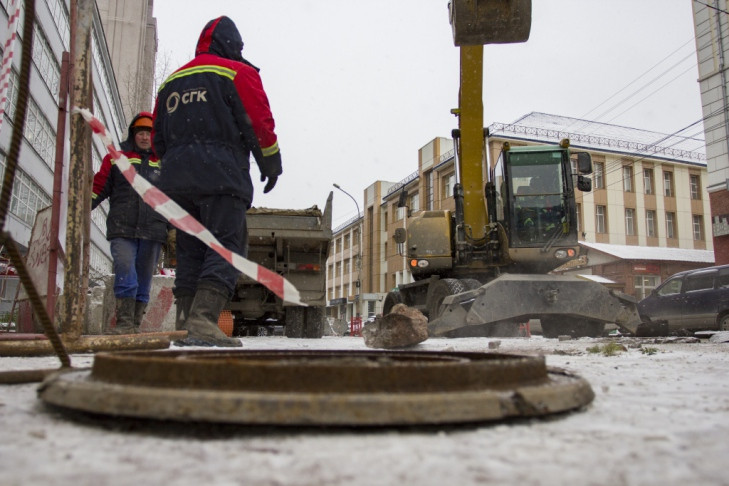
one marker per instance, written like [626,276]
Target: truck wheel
[392,298]
[440,290]
[295,322]
[314,322]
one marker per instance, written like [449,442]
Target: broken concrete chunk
[402,327]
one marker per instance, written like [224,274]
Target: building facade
[34,179]
[131,33]
[711,26]
[649,190]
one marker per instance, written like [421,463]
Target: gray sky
[357,87]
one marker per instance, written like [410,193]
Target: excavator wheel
[470,283]
[438,291]
[392,298]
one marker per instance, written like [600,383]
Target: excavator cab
[535,204]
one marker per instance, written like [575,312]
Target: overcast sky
[357,87]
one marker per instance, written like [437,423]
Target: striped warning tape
[7,55]
[182,220]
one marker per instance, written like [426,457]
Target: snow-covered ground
[660,417]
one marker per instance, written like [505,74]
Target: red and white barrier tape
[182,220]
[7,56]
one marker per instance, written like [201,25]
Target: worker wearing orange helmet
[134,230]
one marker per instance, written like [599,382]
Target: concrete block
[160,315]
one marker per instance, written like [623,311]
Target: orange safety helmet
[143,122]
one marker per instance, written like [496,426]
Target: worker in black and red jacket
[210,115]
[134,230]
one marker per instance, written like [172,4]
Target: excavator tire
[392,298]
[439,290]
[470,283]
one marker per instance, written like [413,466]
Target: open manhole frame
[337,388]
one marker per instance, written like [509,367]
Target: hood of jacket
[221,37]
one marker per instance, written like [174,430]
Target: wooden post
[74,295]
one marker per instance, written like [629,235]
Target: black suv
[691,300]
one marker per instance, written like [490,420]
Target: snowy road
[660,416]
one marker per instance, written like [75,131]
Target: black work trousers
[225,217]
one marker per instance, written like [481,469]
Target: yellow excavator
[483,268]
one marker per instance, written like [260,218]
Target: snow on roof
[543,127]
[627,252]
[596,278]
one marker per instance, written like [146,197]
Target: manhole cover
[318,387]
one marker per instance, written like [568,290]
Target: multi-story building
[131,33]
[711,26]
[649,191]
[33,184]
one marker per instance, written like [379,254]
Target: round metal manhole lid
[366,388]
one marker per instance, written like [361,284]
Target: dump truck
[483,268]
[293,243]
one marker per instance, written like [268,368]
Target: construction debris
[403,327]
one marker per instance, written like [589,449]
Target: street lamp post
[359,249]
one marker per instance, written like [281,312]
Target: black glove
[271,169]
[269,185]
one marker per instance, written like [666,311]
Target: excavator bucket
[517,298]
[478,22]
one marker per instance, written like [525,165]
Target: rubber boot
[124,317]
[139,309]
[183,303]
[202,324]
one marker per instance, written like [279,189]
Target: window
[397,213]
[578,214]
[599,175]
[628,179]
[600,219]
[670,225]
[346,242]
[630,221]
[648,181]
[698,227]
[668,184]
[644,284]
[699,281]
[414,202]
[27,197]
[429,191]
[672,287]
[449,181]
[694,184]
[347,269]
[650,223]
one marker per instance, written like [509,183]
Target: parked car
[692,300]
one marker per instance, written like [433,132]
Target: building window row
[38,130]
[59,12]
[648,181]
[601,223]
[27,197]
[45,61]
